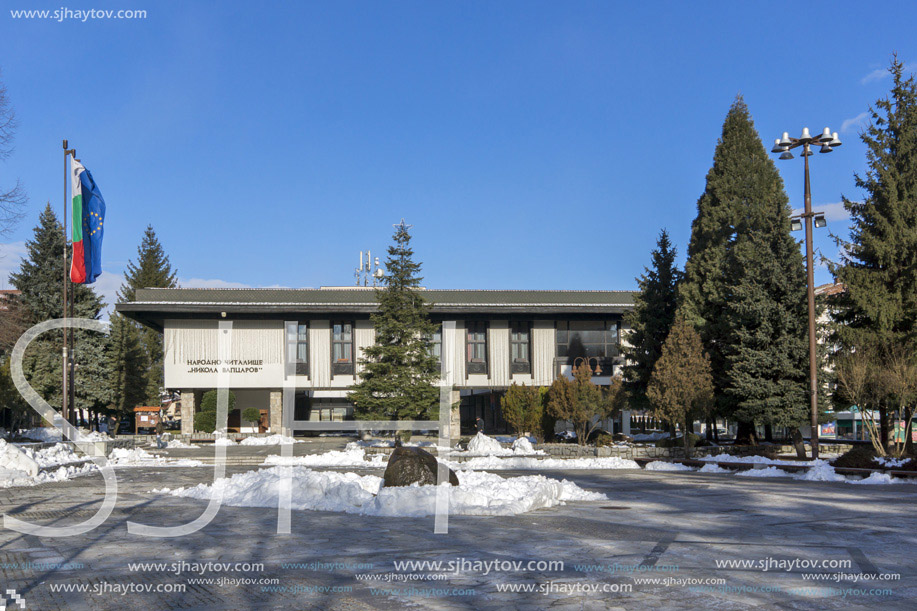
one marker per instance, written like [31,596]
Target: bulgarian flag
[88,217]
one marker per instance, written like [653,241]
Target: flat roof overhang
[153,314]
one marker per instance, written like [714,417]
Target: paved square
[670,527]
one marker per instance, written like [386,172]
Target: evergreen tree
[650,320]
[743,186]
[40,280]
[879,262]
[397,381]
[127,365]
[152,270]
[522,407]
[681,387]
[766,350]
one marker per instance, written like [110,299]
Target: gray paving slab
[677,528]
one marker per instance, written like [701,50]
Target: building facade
[312,340]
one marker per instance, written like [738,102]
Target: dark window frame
[475,366]
[342,367]
[611,343]
[301,364]
[520,366]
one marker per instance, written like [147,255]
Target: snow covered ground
[482,445]
[478,493]
[270,440]
[352,456]
[536,464]
[138,457]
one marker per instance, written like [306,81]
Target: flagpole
[65,412]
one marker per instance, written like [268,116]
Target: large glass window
[436,344]
[302,349]
[590,339]
[520,347]
[341,347]
[476,342]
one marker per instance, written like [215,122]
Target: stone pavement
[656,525]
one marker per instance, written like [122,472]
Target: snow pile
[495,462]
[94,436]
[712,468]
[270,440]
[223,441]
[138,457]
[523,446]
[42,433]
[889,462]
[660,465]
[14,459]
[875,478]
[768,472]
[352,456]
[486,446]
[477,493]
[763,460]
[178,444]
[58,454]
[641,437]
[820,471]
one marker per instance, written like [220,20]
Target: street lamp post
[828,142]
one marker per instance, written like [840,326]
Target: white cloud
[876,75]
[832,212]
[861,120]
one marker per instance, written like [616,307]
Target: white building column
[187,412]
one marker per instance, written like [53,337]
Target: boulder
[408,465]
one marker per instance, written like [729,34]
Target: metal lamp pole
[828,142]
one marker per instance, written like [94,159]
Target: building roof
[151,306]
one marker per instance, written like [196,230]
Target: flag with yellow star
[88,221]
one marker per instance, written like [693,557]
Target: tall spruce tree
[650,320]
[127,365]
[399,369]
[40,278]
[878,264]
[743,194]
[766,349]
[152,270]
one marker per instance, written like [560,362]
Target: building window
[341,348]
[302,349]
[476,342]
[595,341]
[436,344]
[520,347]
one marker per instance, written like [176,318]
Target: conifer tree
[650,320]
[399,369]
[152,270]
[879,262]
[40,280]
[743,191]
[127,365]
[681,387]
[766,349]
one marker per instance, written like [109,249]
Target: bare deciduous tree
[12,200]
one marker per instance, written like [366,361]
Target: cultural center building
[313,339]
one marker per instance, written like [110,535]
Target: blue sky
[531,144]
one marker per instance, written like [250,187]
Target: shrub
[205,422]
[252,415]
[604,439]
[857,457]
[209,401]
